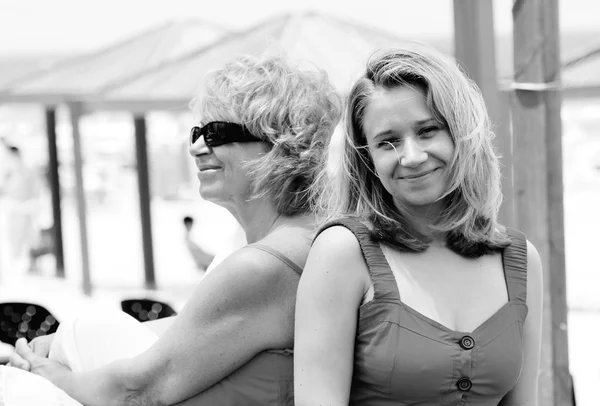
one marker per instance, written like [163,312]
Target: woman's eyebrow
[383,134]
[425,121]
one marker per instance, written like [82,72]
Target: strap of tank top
[295,267]
[514,258]
[384,283]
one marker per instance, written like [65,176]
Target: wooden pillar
[141,153]
[538,177]
[54,180]
[474,49]
[76,112]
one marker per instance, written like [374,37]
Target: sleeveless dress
[405,358]
[267,379]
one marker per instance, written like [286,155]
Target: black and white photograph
[299,202]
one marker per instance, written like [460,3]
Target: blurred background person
[207,258]
[20,190]
[201,258]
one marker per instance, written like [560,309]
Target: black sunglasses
[218,133]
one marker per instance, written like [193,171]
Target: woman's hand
[41,345]
[25,358]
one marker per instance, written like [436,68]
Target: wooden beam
[141,153]
[538,177]
[54,180]
[75,109]
[474,49]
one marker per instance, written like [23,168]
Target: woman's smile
[416,177]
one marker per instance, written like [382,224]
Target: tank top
[267,379]
[402,357]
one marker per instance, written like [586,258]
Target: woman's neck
[422,220]
[257,217]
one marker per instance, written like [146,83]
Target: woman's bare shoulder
[338,249]
[253,283]
[248,264]
[292,241]
[336,264]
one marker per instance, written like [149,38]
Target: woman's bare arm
[329,295]
[526,390]
[159,326]
[240,309]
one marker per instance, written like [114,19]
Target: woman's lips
[419,175]
[208,168]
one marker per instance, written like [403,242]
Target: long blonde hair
[473,196]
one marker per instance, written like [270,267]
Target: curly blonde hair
[473,196]
[294,110]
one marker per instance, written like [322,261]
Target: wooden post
[141,153]
[474,48]
[54,180]
[76,112]
[538,177]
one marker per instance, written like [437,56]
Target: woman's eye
[390,142]
[428,131]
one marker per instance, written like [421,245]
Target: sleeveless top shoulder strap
[384,283]
[514,258]
[279,255]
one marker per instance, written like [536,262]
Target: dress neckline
[438,325]
[446,329]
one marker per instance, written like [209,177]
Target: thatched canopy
[80,76]
[339,47]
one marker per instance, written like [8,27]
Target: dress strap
[384,283]
[279,255]
[514,258]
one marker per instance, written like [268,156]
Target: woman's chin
[208,194]
[213,195]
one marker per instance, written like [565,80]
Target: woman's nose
[199,147]
[412,154]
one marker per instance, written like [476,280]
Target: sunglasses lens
[195,133]
[214,136]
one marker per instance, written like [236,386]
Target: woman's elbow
[138,385]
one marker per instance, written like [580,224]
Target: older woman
[414,294]
[264,127]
